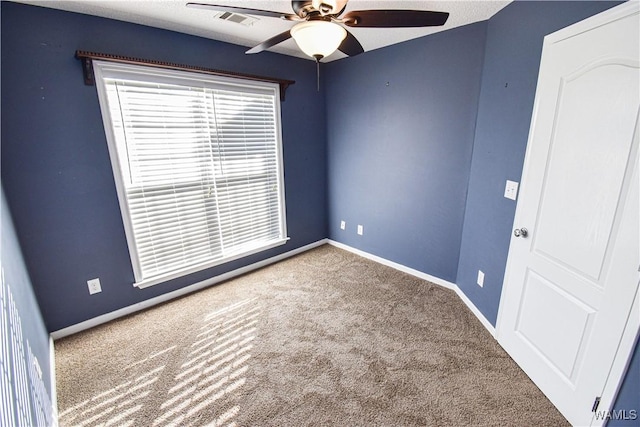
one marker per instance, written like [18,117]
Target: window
[197,161]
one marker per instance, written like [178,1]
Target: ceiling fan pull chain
[318,58]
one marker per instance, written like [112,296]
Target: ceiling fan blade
[394,18]
[350,45]
[244,10]
[271,42]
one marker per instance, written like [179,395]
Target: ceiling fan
[320,27]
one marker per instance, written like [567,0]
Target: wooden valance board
[87,68]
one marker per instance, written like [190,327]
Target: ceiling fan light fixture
[318,38]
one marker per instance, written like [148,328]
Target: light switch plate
[511,190]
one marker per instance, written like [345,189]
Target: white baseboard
[419,274]
[403,268]
[54,392]
[79,327]
[61,333]
[471,306]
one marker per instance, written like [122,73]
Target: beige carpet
[324,338]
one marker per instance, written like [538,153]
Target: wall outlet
[360,230]
[343,225]
[511,190]
[94,286]
[480,278]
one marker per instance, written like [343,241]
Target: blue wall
[509,77]
[399,147]
[417,152]
[398,154]
[55,163]
[629,395]
[26,391]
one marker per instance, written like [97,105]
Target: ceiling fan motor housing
[329,7]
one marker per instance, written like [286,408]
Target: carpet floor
[323,338]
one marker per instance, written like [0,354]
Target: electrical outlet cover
[94,286]
[480,278]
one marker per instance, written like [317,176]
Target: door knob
[520,232]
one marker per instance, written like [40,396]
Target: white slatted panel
[200,169]
[246,182]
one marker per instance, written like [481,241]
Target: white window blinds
[197,161]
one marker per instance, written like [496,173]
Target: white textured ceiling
[174,15]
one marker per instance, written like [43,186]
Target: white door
[571,280]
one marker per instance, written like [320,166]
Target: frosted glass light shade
[318,38]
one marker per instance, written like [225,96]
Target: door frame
[631,331]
